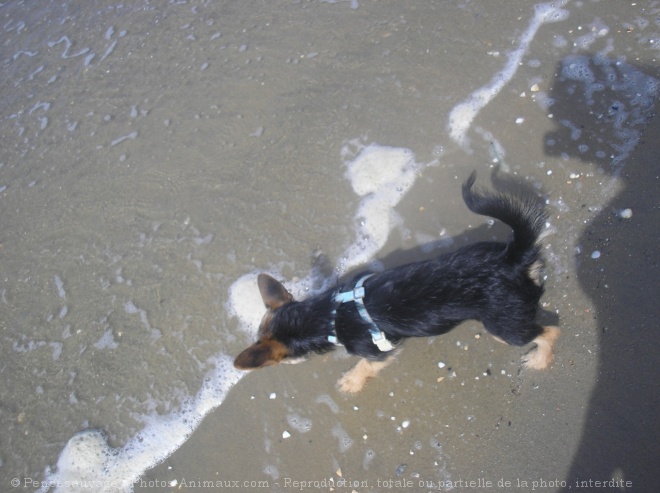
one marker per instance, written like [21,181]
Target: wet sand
[479,423]
[167,151]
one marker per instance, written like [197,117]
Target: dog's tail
[525,214]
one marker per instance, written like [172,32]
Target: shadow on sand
[610,106]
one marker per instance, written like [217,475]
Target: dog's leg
[354,379]
[542,356]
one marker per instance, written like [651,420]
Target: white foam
[88,463]
[244,303]
[461,117]
[381,176]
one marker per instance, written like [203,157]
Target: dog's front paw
[355,378]
[351,383]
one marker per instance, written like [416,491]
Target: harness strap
[357,295]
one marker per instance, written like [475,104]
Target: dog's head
[268,350]
[290,329]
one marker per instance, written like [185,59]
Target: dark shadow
[605,116]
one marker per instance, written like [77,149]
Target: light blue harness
[356,295]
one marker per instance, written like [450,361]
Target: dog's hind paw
[537,360]
[542,357]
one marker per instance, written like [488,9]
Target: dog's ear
[273,292]
[263,353]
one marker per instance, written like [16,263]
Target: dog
[498,284]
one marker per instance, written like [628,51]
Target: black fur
[489,282]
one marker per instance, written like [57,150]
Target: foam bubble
[369,456]
[345,441]
[627,102]
[577,68]
[303,425]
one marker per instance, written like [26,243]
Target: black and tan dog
[495,283]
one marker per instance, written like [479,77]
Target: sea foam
[381,176]
[463,114]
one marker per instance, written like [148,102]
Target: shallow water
[155,157]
